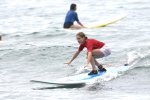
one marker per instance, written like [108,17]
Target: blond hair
[81,34]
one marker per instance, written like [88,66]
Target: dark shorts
[68,25]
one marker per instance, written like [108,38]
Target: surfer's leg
[100,66]
[97,63]
[94,70]
[93,63]
[100,53]
[76,26]
[97,53]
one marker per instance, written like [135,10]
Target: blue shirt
[71,16]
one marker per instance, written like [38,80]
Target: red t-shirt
[91,44]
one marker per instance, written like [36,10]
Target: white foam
[132,57]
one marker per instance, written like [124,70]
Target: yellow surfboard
[106,22]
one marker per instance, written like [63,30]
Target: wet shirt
[91,44]
[71,17]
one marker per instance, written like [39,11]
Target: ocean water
[34,45]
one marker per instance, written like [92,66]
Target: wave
[133,58]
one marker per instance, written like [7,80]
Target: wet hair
[73,6]
[82,35]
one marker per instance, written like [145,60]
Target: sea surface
[35,46]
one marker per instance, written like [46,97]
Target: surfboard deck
[106,21]
[80,79]
[84,78]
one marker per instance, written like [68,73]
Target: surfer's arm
[81,24]
[74,56]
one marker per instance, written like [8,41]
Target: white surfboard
[82,79]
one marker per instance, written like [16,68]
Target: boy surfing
[95,49]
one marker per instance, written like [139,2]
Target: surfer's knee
[101,53]
[106,52]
